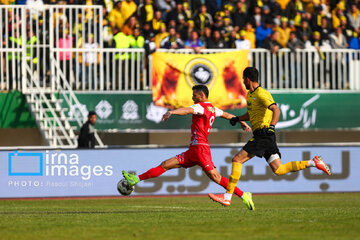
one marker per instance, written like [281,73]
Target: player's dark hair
[251,73]
[91,113]
[201,88]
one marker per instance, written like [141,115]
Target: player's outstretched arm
[179,111]
[244,117]
[227,115]
[242,120]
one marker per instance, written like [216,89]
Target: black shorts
[262,145]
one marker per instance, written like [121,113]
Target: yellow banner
[174,75]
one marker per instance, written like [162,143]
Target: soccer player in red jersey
[203,117]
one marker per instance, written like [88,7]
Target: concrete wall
[32,137]
[21,137]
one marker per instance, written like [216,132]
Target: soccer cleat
[319,163]
[220,199]
[247,199]
[132,179]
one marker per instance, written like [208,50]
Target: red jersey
[202,120]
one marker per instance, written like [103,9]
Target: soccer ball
[124,188]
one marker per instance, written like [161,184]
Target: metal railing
[64,87]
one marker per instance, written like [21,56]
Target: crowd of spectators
[198,24]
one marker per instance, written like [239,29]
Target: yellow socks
[234,177]
[291,167]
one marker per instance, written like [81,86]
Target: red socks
[224,183]
[151,173]
[157,171]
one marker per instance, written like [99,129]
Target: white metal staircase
[49,114]
[48,110]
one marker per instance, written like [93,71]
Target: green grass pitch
[298,216]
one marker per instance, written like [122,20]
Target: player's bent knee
[165,165]
[216,177]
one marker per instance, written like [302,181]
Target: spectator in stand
[230,43]
[216,41]
[128,8]
[146,12]
[239,16]
[65,41]
[156,22]
[299,7]
[292,26]
[272,43]
[325,8]
[219,23]
[150,48]
[243,43]
[338,39]
[187,31]
[91,61]
[187,11]
[250,34]
[316,17]
[304,30]
[136,40]
[180,26]
[161,35]
[284,32]
[147,30]
[297,19]
[354,42]
[262,32]
[195,5]
[344,26]
[290,10]
[335,16]
[116,18]
[177,13]
[206,37]
[172,23]
[353,17]
[203,18]
[309,6]
[165,6]
[131,23]
[172,41]
[267,16]
[228,27]
[305,16]
[276,21]
[324,29]
[256,18]
[120,41]
[294,43]
[228,9]
[213,6]
[107,34]
[194,42]
[317,43]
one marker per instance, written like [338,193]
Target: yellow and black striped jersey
[258,103]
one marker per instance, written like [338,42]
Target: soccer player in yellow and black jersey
[263,114]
